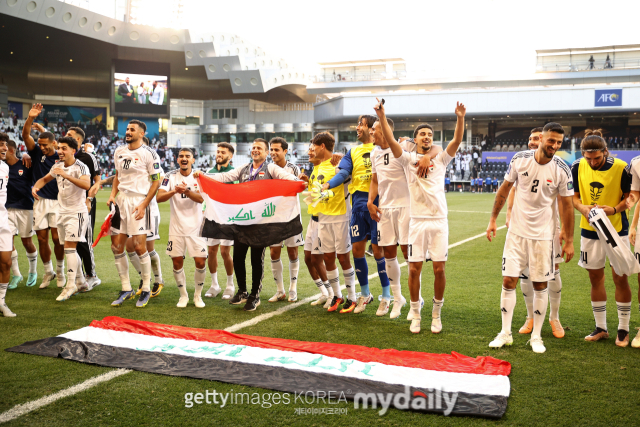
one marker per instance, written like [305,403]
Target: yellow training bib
[334,205]
[361,173]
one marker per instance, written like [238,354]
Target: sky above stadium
[447,38]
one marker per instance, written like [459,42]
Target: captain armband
[155,177]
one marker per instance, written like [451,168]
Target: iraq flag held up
[257,213]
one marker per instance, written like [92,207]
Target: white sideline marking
[25,408]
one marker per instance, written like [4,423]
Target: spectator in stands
[607,63]
[591,62]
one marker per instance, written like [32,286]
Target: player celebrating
[428,212]
[540,177]
[44,157]
[138,174]
[6,237]
[181,188]
[602,182]
[278,148]
[73,179]
[20,211]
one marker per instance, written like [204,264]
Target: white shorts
[21,222]
[154,233]
[291,242]
[334,237]
[311,243]
[520,253]
[593,255]
[45,214]
[216,242]
[72,227]
[393,227]
[557,248]
[428,240]
[129,225]
[6,239]
[177,246]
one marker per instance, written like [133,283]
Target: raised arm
[396,149]
[26,130]
[453,146]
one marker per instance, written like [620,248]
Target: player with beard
[20,210]
[224,154]
[181,188]
[44,157]
[6,237]
[138,175]
[278,148]
[73,180]
[541,177]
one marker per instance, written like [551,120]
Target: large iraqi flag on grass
[257,213]
[440,383]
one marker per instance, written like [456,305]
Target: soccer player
[428,212]
[333,213]
[73,180]
[278,149]
[257,169]
[540,177]
[634,195]
[138,174]
[20,211]
[6,237]
[555,284]
[181,189]
[602,181]
[224,154]
[85,249]
[357,164]
[44,157]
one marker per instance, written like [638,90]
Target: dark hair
[4,137]
[72,143]
[538,129]
[368,118]
[227,146]
[47,135]
[11,143]
[389,122]
[593,141]
[324,138]
[139,123]
[187,149]
[422,126]
[264,141]
[145,140]
[281,141]
[553,127]
[78,131]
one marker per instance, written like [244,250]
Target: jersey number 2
[534,188]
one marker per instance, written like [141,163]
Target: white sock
[33,262]
[334,281]
[48,268]
[294,269]
[230,280]
[15,268]
[600,313]
[199,277]
[437,306]
[277,269]
[3,291]
[80,279]
[624,313]
[321,287]
[329,290]
[181,281]
[122,265]
[135,261]
[155,266]
[145,264]
[555,294]
[214,280]
[350,281]
[540,303]
[526,286]
[415,309]
[393,271]
[507,304]
[60,267]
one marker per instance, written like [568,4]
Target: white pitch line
[25,408]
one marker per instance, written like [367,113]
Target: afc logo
[609,97]
[595,190]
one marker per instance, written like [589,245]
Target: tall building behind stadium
[197,89]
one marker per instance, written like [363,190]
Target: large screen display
[140,88]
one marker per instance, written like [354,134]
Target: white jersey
[292,169]
[4,181]
[71,198]
[534,215]
[427,194]
[393,191]
[409,145]
[186,215]
[620,256]
[135,167]
[633,169]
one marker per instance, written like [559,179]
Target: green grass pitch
[573,383]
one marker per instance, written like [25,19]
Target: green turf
[574,382]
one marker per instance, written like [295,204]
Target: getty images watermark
[432,399]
